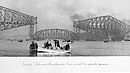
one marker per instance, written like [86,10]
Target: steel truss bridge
[55,34]
[107,26]
[13,19]
[104,27]
[98,28]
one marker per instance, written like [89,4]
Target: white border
[54,64]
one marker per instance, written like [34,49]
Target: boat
[53,52]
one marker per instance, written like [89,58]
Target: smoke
[76,17]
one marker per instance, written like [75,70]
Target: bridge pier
[77,31]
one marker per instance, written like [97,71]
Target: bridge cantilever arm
[10,18]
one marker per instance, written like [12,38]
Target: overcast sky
[60,13]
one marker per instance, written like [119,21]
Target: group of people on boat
[57,45]
[47,45]
[34,47]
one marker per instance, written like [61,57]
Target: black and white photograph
[51,28]
[64,36]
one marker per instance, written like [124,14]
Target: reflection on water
[52,55]
[14,53]
[25,53]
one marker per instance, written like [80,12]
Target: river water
[79,48]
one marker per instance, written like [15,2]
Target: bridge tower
[75,29]
[32,29]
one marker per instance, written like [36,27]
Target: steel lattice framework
[12,19]
[108,24]
[55,34]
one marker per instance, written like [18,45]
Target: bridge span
[13,19]
[104,27]
[97,28]
[55,34]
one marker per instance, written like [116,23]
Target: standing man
[36,48]
[55,41]
[33,49]
[58,44]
